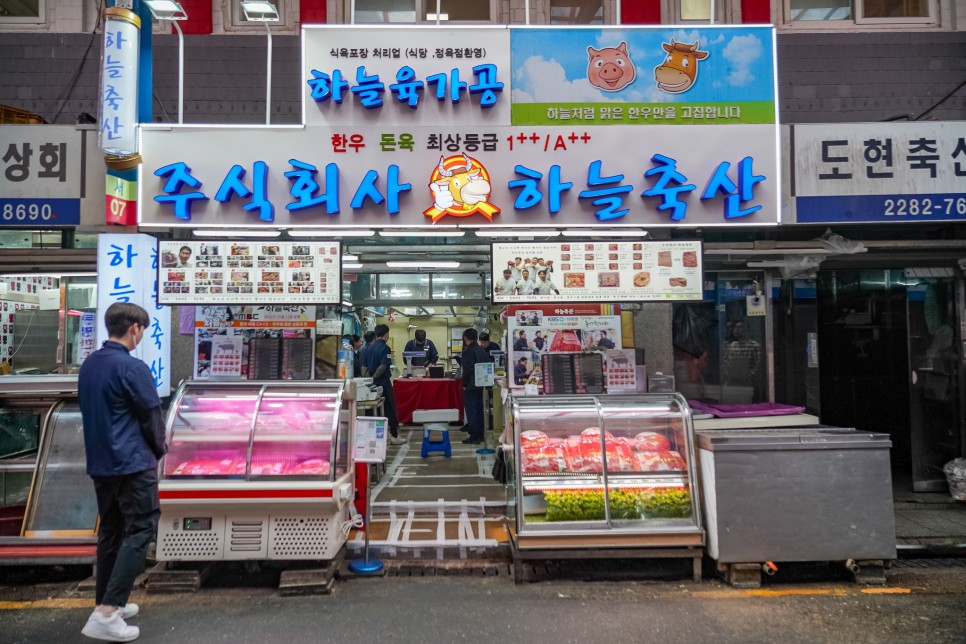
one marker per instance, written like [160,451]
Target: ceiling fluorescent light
[219,232]
[330,232]
[533,232]
[347,304]
[422,233]
[594,232]
[423,264]
[352,266]
[350,258]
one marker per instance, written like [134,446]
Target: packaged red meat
[541,458]
[316,466]
[651,442]
[664,461]
[209,467]
[572,456]
[533,437]
[268,469]
[565,340]
[593,433]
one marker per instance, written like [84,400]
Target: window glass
[695,10]
[31,10]
[380,11]
[895,8]
[403,286]
[576,12]
[821,10]
[457,286]
[458,10]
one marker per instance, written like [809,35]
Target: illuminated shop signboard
[526,127]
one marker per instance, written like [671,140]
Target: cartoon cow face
[611,68]
[465,184]
[679,70]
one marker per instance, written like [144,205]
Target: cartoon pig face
[610,68]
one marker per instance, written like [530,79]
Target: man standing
[472,354]
[605,342]
[506,285]
[378,359]
[486,344]
[123,440]
[420,343]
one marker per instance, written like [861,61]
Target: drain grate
[958,563]
[434,569]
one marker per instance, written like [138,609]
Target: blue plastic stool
[441,445]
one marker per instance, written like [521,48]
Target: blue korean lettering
[123,255]
[736,194]
[611,198]
[113,67]
[234,185]
[669,184]
[304,187]
[114,40]
[325,87]
[368,190]
[405,88]
[368,89]
[456,86]
[112,98]
[530,194]
[121,292]
[179,174]
[112,127]
[157,333]
[157,370]
[487,85]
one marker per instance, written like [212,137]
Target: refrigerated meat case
[608,476]
[256,471]
[48,510]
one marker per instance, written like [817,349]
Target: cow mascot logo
[611,68]
[460,187]
[679,71]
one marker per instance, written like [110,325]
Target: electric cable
[80,67]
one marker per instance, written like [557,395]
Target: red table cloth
[426,393]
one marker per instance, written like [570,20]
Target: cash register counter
[426,393]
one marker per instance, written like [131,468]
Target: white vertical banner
[119,83]
[127,272]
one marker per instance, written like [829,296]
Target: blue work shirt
[117,393]
[378,353]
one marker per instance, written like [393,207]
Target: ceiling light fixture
[594,232]
[352,266]
[350,258]
[535,232]
[330,232]
[220,232]
[422,233]
[426,264]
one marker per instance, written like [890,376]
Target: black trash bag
[692,326]
[500,471]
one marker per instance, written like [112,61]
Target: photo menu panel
[250,272]
[596,271]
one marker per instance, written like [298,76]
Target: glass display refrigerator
[256,470]
[603,476]
[48,510]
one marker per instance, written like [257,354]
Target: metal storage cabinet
[796,494]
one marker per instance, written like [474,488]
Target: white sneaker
[397,440]
[110,628]
[128,611]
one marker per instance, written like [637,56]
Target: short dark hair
[470,334]
[369,336]
[602,332]
[523,359]
[187,248]
[420,335]
[539,332]
[354,338]
[381,330]
[121,315]
[485,335]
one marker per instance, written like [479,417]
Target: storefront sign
[702,175]
[584,271]
[121,208]
[880,172]
[119,82]
[42,173]
[127,267]
[643,76]
[213,271]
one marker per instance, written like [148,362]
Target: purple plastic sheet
[746,411]
[186,322]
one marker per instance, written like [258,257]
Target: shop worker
[524,284]
[521,343]
[605,342]
[473,354]
[123,440]
[488,346]
[506,285]
[379,362]
[421,343]
[368,337]
[543,285]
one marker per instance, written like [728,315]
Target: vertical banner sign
[88,327]
[121,205]
[127,272]
[119,83]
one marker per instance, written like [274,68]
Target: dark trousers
[129,511]
[473,402]
[389,407]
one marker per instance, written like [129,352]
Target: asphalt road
[45,609]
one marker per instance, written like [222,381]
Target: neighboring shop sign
[213,271]
[42,172]
[538,329]
[880,172]
[223,336]
[585,271]
[118,113]
[127,268]
[643,76]
[419,126]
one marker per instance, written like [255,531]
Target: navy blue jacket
[432,355]
[378,353]
[123,426]
[472,354]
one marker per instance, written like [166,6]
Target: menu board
[572,373]
[249,272]
[263,359]
[596,271]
